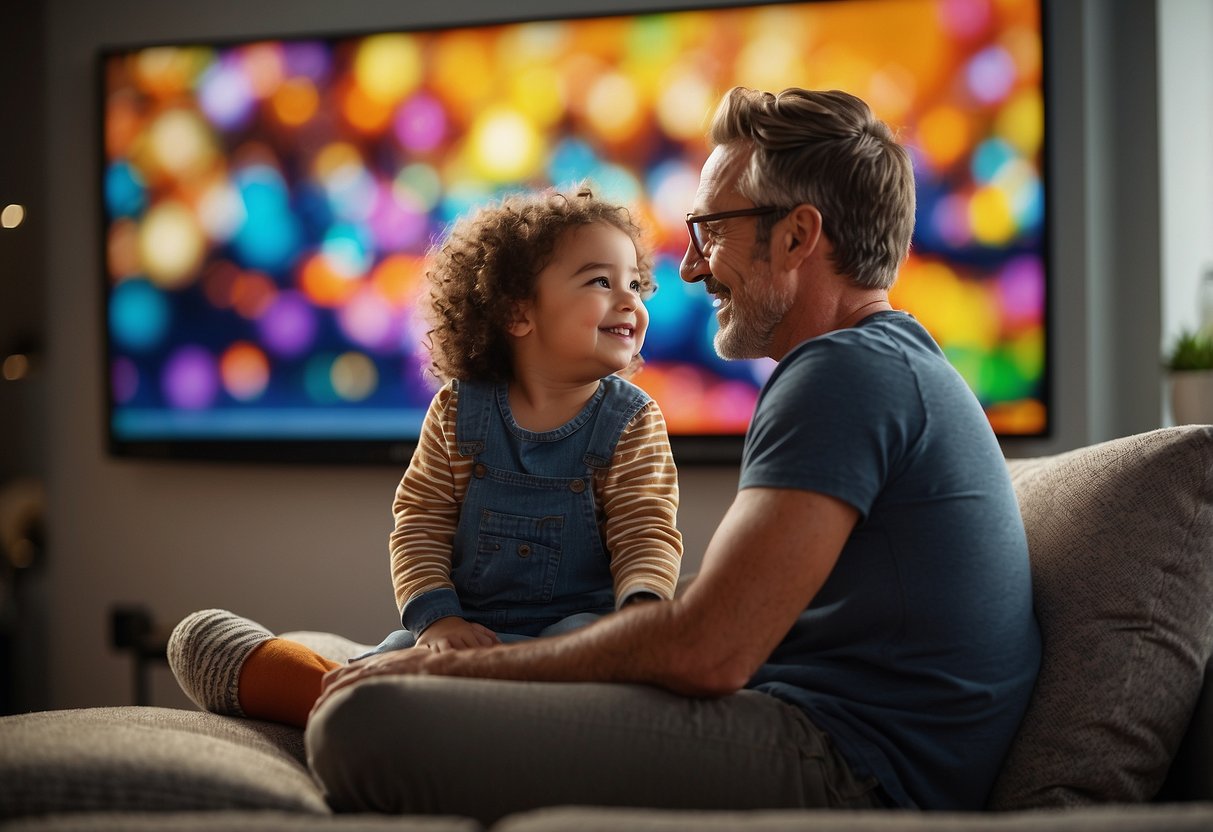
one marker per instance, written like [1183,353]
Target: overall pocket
[517,558]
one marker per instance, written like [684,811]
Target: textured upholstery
[232,821]
[1196,817]
[331,646]
[1121,540]
[159,759]
[1191,775]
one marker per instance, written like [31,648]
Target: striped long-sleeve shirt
[637,499]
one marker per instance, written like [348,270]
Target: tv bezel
[688,449]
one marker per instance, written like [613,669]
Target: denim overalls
[529,557]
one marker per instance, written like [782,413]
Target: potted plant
[1190,363]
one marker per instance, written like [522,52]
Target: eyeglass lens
[698,237]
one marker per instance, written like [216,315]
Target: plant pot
[1192,397]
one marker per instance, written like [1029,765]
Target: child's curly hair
[490,261]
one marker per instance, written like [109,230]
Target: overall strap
[473,408]
[623,400]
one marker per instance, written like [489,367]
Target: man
[861,632]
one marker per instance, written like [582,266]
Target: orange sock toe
[280,681]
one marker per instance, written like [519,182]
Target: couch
[1118,735]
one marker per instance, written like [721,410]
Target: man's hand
[444,637]
[454,633]
[397,662]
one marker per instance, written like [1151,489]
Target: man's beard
[749,330]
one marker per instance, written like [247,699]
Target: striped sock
[206,652]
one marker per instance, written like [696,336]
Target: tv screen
[268,204]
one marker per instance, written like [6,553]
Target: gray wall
[1185,137]
[305,547]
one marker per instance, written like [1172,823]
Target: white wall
[305,547]
[1108,47]
[1186,126]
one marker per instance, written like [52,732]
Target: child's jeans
[403,639]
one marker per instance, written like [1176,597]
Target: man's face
[736,269]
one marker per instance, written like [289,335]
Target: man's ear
[521,319]
[801,235]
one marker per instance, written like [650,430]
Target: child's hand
[453,633]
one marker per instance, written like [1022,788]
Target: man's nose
[693,267]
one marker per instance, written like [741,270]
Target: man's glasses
[699,235]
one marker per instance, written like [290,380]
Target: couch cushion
[139,758]
[330,645]
[1191,774]
[1121,540]
[234,821]
[1185,818]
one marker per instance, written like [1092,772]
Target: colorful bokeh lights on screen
[269,204]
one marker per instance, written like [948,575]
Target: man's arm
[771,554]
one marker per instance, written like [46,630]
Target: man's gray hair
[828,150]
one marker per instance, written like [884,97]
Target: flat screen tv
[267,205]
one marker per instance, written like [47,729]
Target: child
[542,493]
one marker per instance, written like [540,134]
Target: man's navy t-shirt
[919,653]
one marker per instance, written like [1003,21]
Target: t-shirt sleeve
[835,418]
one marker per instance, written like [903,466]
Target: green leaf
[1191,351]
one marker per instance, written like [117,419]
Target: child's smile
[621,331]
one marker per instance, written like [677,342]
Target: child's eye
[602,281]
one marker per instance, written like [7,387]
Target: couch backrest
[1191,774]
[1121,540]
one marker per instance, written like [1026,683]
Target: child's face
[587,319]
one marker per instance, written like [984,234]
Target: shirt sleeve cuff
[638,593]
[423,610]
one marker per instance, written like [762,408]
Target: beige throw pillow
[1121,541]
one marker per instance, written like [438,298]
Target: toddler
[542,493]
